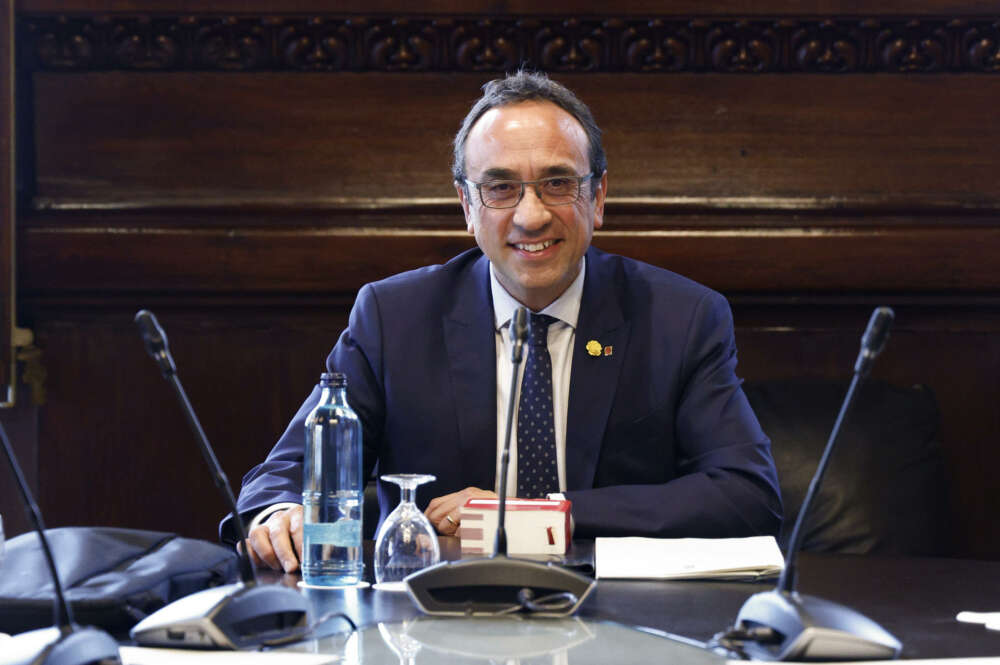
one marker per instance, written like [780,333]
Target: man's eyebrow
[558,169]
[499,174]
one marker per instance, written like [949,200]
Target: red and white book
[534,526]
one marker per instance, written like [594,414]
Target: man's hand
[445,512]
[278,541]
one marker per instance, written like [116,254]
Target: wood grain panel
[21,422]
[72,260]
[126,139]
[115,444]
[794,142]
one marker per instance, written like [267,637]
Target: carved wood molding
[412,43]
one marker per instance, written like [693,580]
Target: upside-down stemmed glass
[406,542]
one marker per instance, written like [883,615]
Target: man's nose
[531,214]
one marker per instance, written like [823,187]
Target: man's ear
[600,194]
[463,197]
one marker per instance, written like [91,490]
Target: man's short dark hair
[524,86]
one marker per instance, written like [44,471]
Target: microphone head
[874,339]
[519,325]
[878,330]
[518,333]
[155,340]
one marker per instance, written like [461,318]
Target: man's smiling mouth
[534,246]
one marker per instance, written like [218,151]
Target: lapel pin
[594,347]
[608,350]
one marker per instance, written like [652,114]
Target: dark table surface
[916,599]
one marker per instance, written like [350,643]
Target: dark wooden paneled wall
[808,164]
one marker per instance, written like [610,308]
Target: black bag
[113,577]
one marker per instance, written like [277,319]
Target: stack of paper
[688,558]
[534,526]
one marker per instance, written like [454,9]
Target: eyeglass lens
[552,191]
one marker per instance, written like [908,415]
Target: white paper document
[989,619]
[752,558]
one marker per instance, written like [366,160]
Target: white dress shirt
[562,333]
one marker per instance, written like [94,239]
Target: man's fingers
[445,512]
[295,528]
[439,507]
[449,525]
[277,543]
[442,524]
[281,540]
[260,548]
[446,505]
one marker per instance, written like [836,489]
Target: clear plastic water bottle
[332,489]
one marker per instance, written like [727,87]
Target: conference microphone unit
[500,584]
[785,625]
[65,643]
[232,616]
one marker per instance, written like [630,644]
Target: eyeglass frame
[579,189]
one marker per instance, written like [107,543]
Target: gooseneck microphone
[785,625]
[499,584]
[232,616]
[65,643]
[156,346]
[872,343]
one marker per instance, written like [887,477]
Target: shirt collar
[566,307]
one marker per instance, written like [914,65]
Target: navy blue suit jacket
[660,439]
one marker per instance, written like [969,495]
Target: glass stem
[408,494]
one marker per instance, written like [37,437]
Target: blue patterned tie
[537,472]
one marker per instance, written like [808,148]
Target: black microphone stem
[231,616]
[62,612]
[500,544]
[787,580]
[518,334]
[872,343]
[156,346]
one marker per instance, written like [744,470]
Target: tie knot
[538,329]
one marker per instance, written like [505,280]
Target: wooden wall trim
[249,260]
[416,41]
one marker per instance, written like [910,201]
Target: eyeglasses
[558,190]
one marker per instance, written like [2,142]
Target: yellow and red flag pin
[595,348]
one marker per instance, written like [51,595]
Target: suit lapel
[470,340]
[594,379]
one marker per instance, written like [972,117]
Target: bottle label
[342,533]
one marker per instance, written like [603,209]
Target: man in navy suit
[648,429]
